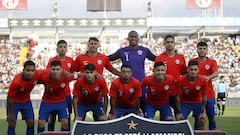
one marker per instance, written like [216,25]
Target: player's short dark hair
[126,66]
[29,63]
[192,63]
[202,43]
[90,67]
[61,42]
[222,76]
[157,64]
[93,38]
[132,31]
[168,36]
[56,63]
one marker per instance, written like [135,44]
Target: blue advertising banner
[132,125]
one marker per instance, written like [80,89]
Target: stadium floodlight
[71,22]
[118,22]
[83,22]
[36,22]
[25,22]
[60,22]
[106,22]
[13,23]
[48,22]
[141,22]
[95,22]
[129,22]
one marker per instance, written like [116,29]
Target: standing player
[209,69]
[192,95]
[125,93]
[18,99]
[221,87]
[54,97]
[67,64]
[158,88]
[87,94]
[134,55]
[94,57]
[175,64]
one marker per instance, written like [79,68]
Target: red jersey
[125,94]
[100,61]
[54,90]
[158,93]
[192,92]
[90,94]
[67,64]
[20,89]
[175,65]
[206,68]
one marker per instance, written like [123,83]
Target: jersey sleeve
[108,64]
[114,56]
[138,92]
[113,89]
[150,55]
[104,87]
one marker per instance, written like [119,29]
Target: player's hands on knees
[103,118]
[11,120]
[77,118]
[111,116]
[179,116]
[202,116]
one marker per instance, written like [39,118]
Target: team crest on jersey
[198,87]
[139,52]
[120,92]
[207,67]
[177,61]
[22,89]
[153,91]
[63,85]
[131,90]
[186,90]
[166,87]
[99,62]
[85,92]
[97,88]
[69,65]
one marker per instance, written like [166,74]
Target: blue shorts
[186,108]
[165,111]
[211,107]
[124,111]
[47,108]
[97,110]
[69,103]
[26,110]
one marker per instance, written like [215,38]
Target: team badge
[99,62]
[120,93]
[198,87]
[22,89]
[97,89]
[177,61]
[207,67]
[85,92]
[153,91]
[131,90]
[139,52]
[186,90]
[63,85]
[166,87]
[69,65]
